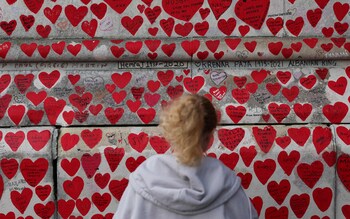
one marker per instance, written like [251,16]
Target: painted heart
[335,113]
[146,115]
[230,160]
[252,12]
[308,82]
[101,201]
[153,86]
[231,138]
[295,26]
[273,88]
[259,76]
[279,191]
[121,80]
[343,169]
[34,5]
[245,179]
[284,76]
[227,26]
[114,115]
[90,163]
[132,163]
[83,206]
[218,93]
[134,46]
[117,187]
[9,167]
[264,169]
[36,98]
[4,103]
[193,85]
[264,137]
[321,138]
[159,144]
[288,161]
[70,167]
[303,111]
[37,139]
[91,138]
[54,13]
[314,16]
[299,204]
[344,134]
[248,154]
[69,141]
[299,135]
[8,27]
[133,105]
[338,86]
[16,113]
[58,47]
[118,5]
[190,47]
[341,28]
[99,10]
[75,15]
[165,77]
[21,199]
[73,187]
[5,80]
[279,112]
[91,44]
[341,10]
[89,27]
[283,141]
[45,211]
[182,10]
[132,24]
[43,192]
[323,198]
[310,173]
[114,157]
[175,92]
[4,48]
[65,207]
[49,79]
[235,113]
[35,116]
[275,25]
[14,140]
[138,141]
[95,109]
[102,180]
[34,172]
[27,21]
[273,212]
[322,73]
[240,95]
[290,94]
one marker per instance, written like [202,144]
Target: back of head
[187,124]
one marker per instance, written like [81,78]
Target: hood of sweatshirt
[182,189]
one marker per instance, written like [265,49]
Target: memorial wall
[82,84]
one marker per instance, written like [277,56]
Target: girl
[185,184]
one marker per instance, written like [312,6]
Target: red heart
[151,99]
[44,50]
[244,30]
[133,46]
[43,31]
[132,163]
[118,5]
[153,13]
[89,27]
[283,142]
[231,138]
[295,26]
[74,49]
[322,3]
[340,10]
[283,76]
[259,76]
[90,163]
[273,88]
[240,95]
[193,85]
[117,187]
[264,137]
[322,73]
[101,201]
[74,187]
[113,115]
[80,102]
[121,80]
[37,139]
[83,206]
[10,2]
[190,47]
[4,103]
[343,169]
[9,168]
[153,86]
[75,15]
[341,28]
[34,172]
[279,112]
[219,7]
[310,173]
[49,79]
[321,138]
[8,27]
[4,82]
[344,134]
[54,13]
[102,180]
[327,31]
[146,115]
[95,109]
[133,105]
[308,82]
[34,5]
[91,138]
[279,191]
[16,113]
[201,28]
[250,46]
[245,179]
[329,157]
[314,16]
[323,198]
[252,12]
[159,144]
[273,212]
[65,208]
[235,113]
[27,21]
[99,10]
[204,12]
[335,113]
[14,140]
[175,92]
[233,43]
[153,45]
[45,211]
[90,44]
[182,10]
[43,192]
[69,141]
[338,86]
[165,77]
[227,26]
[248,154]
[240,81]
[4,48]
[71,167]
[35,116]
[132,24]
[288,162]
[114,157]
[275,25]
[290,94]
[230,160]
[299,135]
[296,46]
[73,78]
[258,203]
[183,29]
[21,199]
[36,98]
[264,169]
[303,111]
[299,204]
[59,47]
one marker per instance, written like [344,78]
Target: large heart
[343,168]
[114,156]
[252,12]
[182,10]
[34,172]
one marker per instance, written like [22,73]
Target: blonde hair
[187,123]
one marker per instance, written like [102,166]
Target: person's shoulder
[214,163]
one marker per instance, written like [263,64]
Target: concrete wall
[82,83]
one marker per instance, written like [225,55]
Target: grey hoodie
[162,188]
